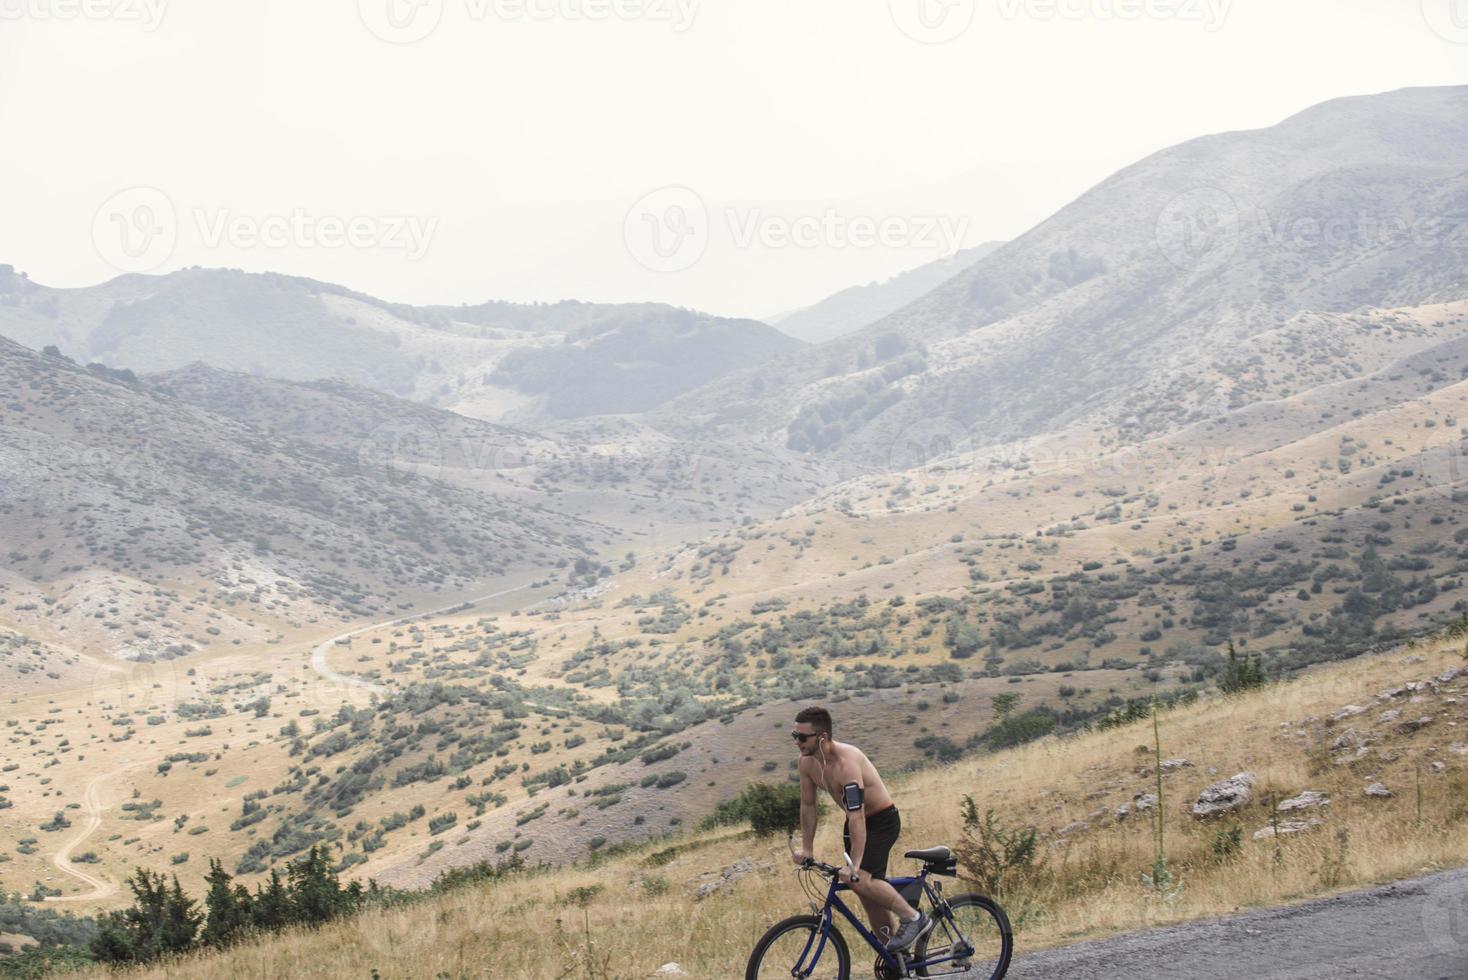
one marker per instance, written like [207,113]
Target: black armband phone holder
[852,796]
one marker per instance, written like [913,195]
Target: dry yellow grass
[632,915]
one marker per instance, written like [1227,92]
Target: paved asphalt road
[1412,930]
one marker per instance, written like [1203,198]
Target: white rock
[1349,711]
[1305,801]
[670,970]
[1225,796]
[1379,791]
[1389,716]
[1288,827]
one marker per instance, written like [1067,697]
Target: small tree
[1004,704]
[161,920]
[316,894]
[271,908]
[1242,673]
[228,908]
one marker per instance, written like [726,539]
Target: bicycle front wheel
[974,941]
[793,943]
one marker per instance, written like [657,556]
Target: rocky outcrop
[1225,796]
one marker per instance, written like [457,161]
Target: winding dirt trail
[101,887]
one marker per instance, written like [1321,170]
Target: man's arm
[856,822]
[809,812]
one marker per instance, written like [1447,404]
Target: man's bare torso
[847,764]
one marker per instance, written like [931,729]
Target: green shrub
[769,809]
[999,858]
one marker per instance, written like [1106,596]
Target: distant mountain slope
[1357,202]
[614,471]
[626,365]
[108,482]
[859,306]
[570,359]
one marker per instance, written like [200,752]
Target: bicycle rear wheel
[776,954]
[976,933]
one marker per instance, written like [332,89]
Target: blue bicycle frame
[897,961]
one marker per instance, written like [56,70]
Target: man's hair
[815,716]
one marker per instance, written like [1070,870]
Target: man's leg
[876,893]
[879,917]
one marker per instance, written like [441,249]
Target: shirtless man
[872,823]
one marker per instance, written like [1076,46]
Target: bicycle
[971,936]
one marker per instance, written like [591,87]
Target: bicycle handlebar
[829,870]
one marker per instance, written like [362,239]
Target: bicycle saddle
[935,855]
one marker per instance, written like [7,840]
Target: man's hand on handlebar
[800,857]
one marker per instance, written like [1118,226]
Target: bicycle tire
[804,923]
[1001,921]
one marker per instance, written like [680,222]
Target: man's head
[812,729]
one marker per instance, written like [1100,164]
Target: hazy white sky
[740,157]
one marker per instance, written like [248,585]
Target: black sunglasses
[802,736]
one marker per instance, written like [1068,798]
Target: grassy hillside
[1382,721]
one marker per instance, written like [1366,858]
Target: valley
[290,569]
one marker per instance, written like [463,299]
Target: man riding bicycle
[872,823]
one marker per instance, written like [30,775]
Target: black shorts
[882,830]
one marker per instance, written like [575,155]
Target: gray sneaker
[911,932]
